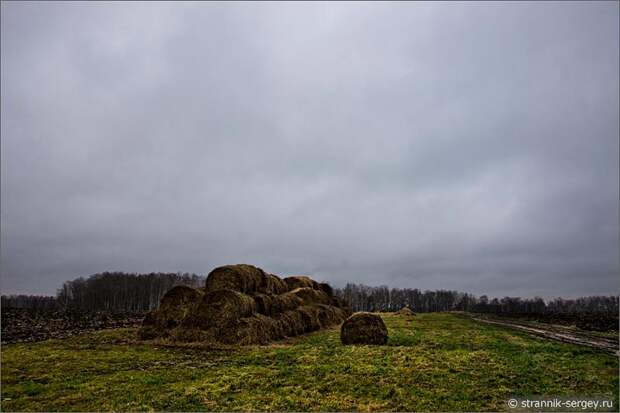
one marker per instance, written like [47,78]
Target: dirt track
[560,334]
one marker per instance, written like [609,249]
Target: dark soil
[584,321]
[24,325]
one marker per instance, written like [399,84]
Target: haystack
[363,328]
[174,307]
[242,304]
[405,311]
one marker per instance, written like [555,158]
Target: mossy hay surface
[364,328]
[242,304]
[246,279]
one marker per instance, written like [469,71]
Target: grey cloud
[432,145]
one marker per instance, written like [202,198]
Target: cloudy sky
[432,145]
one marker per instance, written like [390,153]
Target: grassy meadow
[432,362]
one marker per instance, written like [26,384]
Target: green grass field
[432,362]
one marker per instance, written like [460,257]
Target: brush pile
[242,304]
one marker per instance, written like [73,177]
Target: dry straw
[242,304]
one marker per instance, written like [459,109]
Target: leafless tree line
[117,291]
[108,291]
[136,293]
[366,298]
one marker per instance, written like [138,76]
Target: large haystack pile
[364,328]
[242,304]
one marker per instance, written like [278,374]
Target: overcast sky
[432,145]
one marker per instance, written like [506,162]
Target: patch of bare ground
[604,342]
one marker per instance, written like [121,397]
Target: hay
[310,296]
[405,311]
[276,304]
[245,279]
[327,289]
[330,315]
[274,285]
[256,329]
[174,307]
[301,281]
[244,305]
[180,296]
[307,318]
[219,309]
[263,303]
[363,328]
[261,329]
[289,324]
[340,303]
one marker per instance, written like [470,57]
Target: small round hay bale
[220,308]
[405,311]
[363,328]
[300,281]
[311,296]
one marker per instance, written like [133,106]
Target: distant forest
[108,291]
[138,293]
[365,298]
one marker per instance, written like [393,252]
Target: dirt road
[559,333]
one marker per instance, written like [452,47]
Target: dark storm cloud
[431,145]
